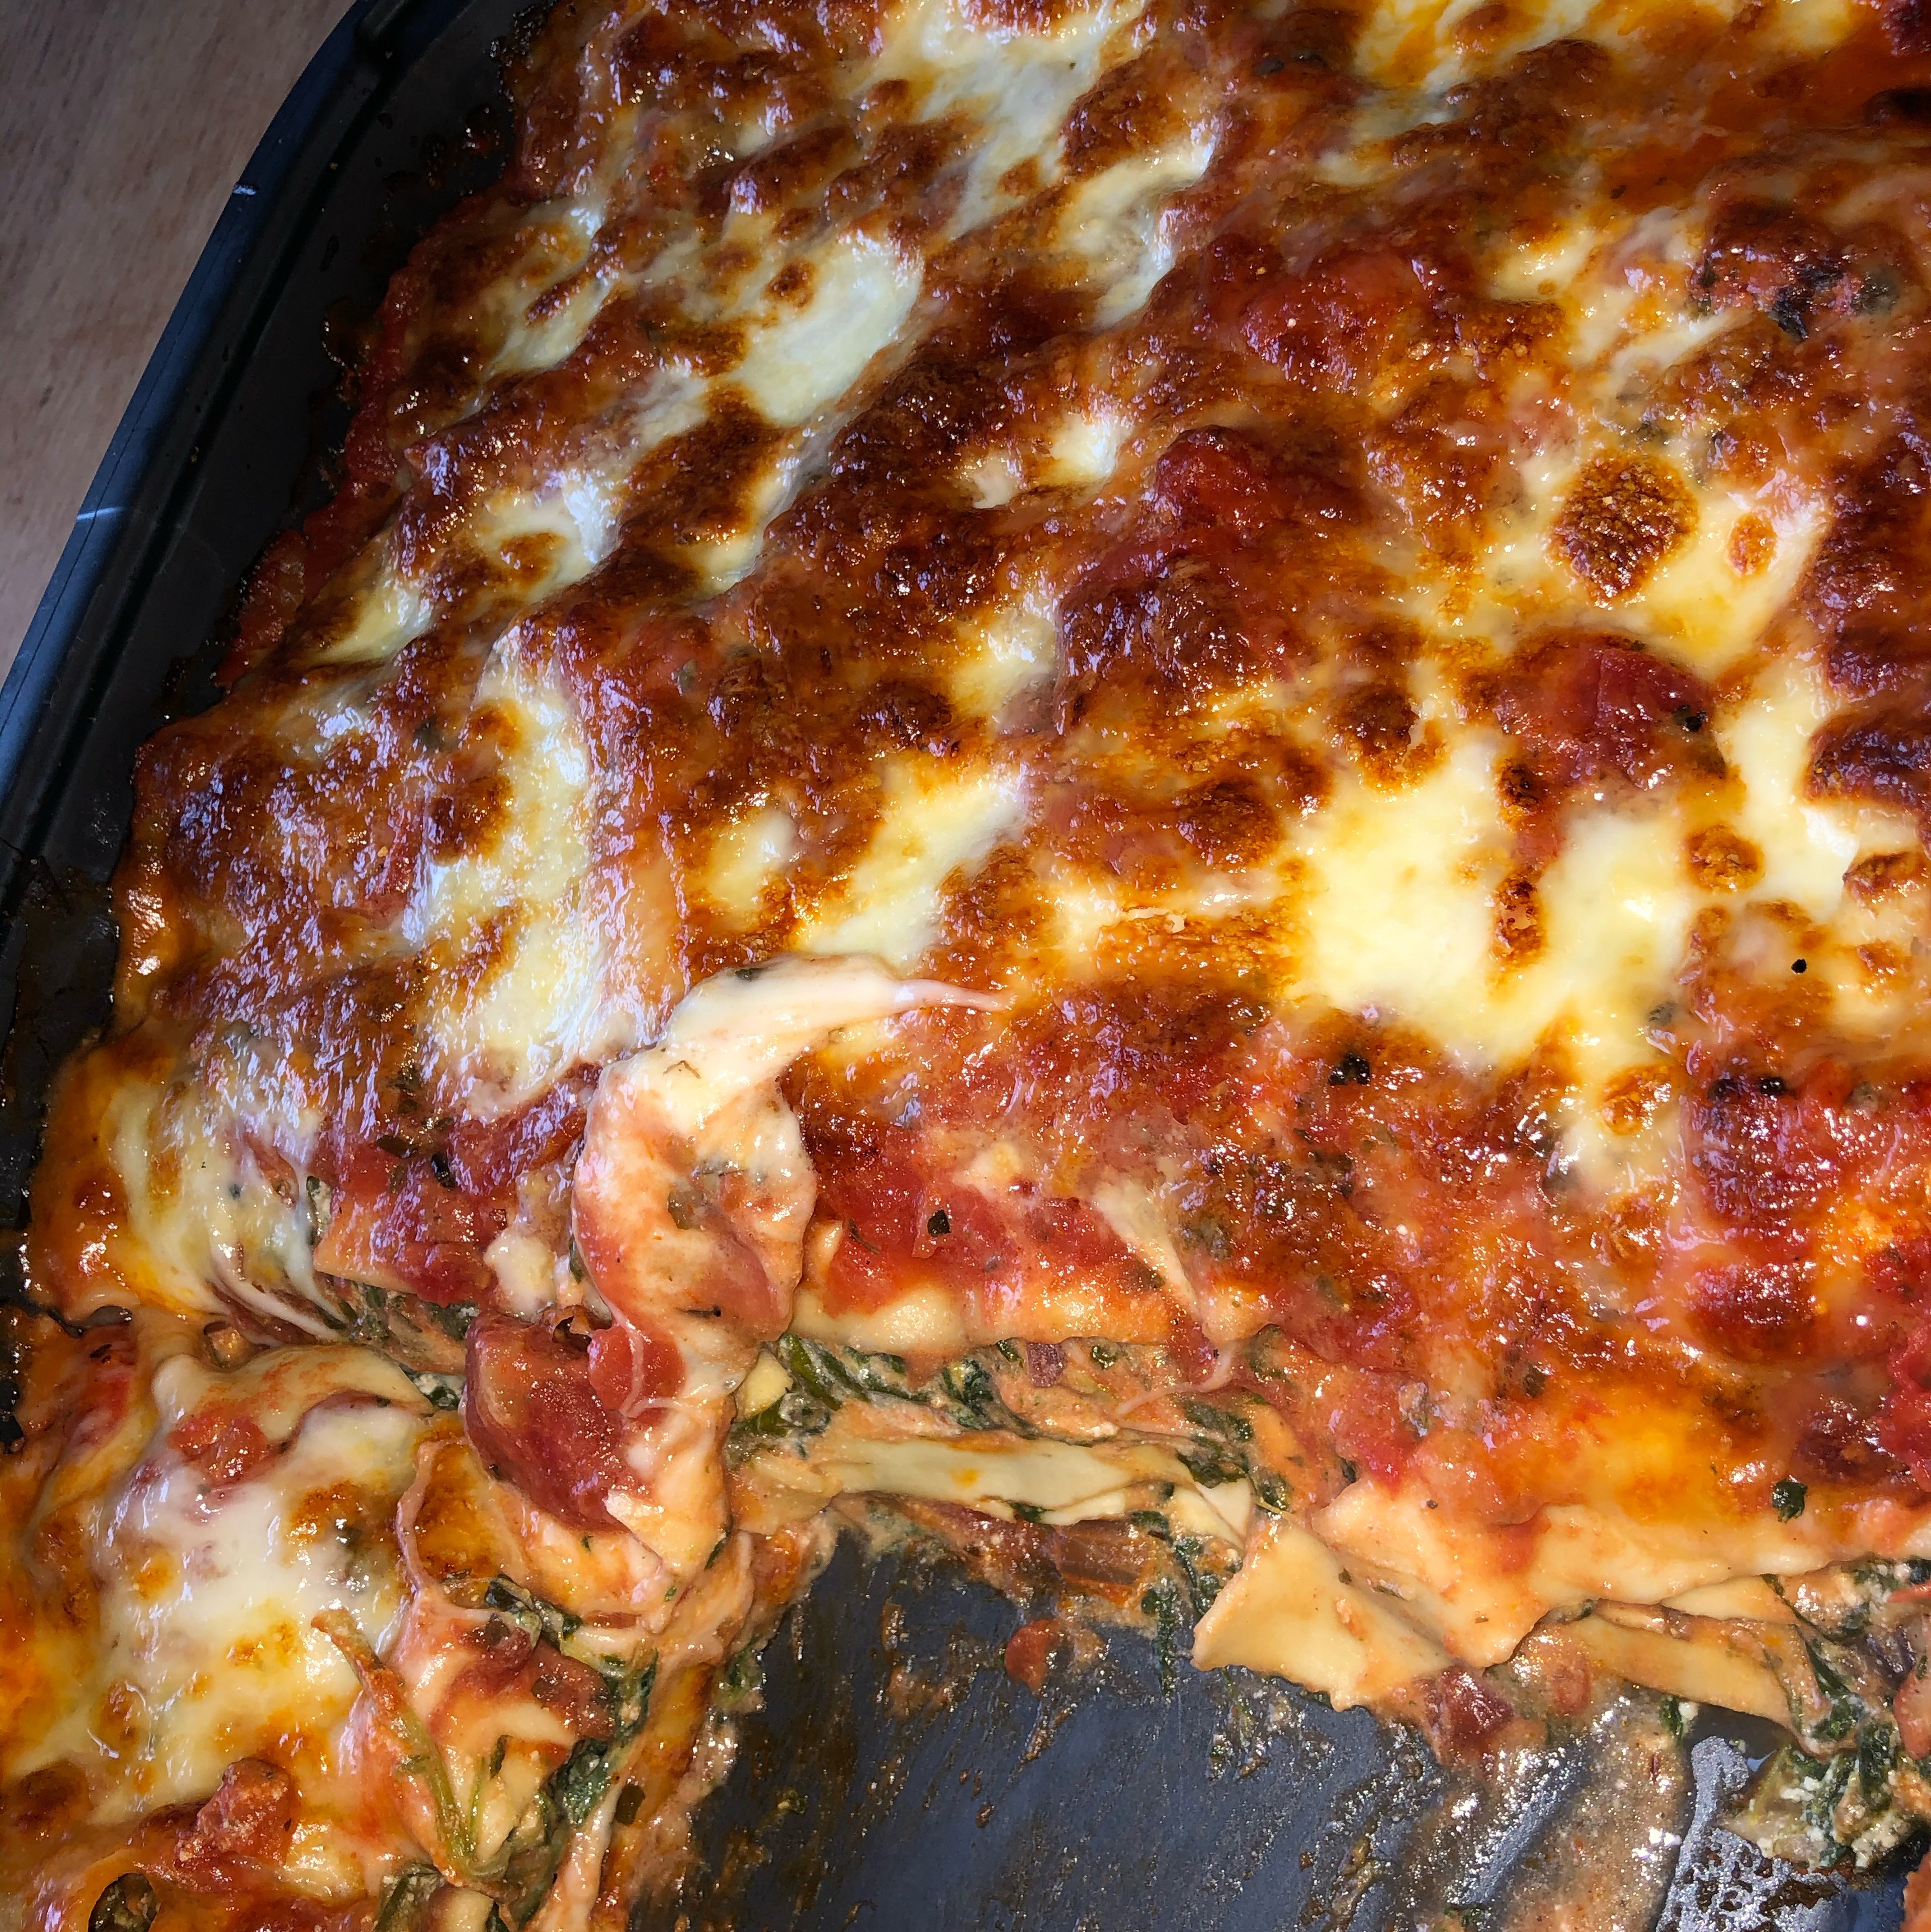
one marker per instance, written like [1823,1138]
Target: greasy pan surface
[888,1782]
[893,1777]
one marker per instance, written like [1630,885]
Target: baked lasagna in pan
[1138,785]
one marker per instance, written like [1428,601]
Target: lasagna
[1139,784]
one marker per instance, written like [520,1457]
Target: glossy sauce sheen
[1363,572]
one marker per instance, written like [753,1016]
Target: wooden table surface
[124,125]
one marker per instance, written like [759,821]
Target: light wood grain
[123,124]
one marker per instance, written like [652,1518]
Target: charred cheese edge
[1355,575]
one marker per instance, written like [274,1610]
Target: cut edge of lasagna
[1146,781]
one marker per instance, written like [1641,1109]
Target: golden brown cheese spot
[1381,725]
[1017,16]
[278,1647]
[1884,966]
[1502,337]
[694,488]
[466,816]
[793,283]
[1520,934]
[1883,874]
[1753,545]
[1877,753]
[59,1549]
[158,1573]
[908,716]
[1623,515]
[1133,112]
[558,297]
[1229,824]
[458,1538]
[1721,860]
[122,1715]
[1439,459]
[1481,28]
[781,174]
[489,947]
[699,349]
[1020,181]
[336,1512]
[997,907]
[1634,1097]
[1518,790]
[530,560]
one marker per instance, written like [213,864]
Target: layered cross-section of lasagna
[1143,784]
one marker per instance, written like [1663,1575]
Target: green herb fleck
[1218,1421]
[1846,1707]
[129,1904]
[402,1903]
[742,1679]
[1877,1752]
[443,1392]
[1271,1491]
[578,1784]
[1202,1584]
[532,1615]
[454,1320]
[1162,1604]
[1211,1465]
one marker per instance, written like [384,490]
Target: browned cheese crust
[1351,589]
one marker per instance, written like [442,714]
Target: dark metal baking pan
[894,1777]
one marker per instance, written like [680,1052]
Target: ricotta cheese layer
[1143,784]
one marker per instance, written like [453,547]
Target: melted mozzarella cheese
[800,364]
[544,306]
[934,822]
[571,530]
[539,1002]
[391,613]
[1697,608]
[806,359]
[732,1035]
[1382,871]
[1113,223]
[207,1595]
[1806,846]
[1017,86]
[1426,44]
[1694,607]
[1401,43]
[203,1219]
[1085,446]
[1014,647]
[748,858]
